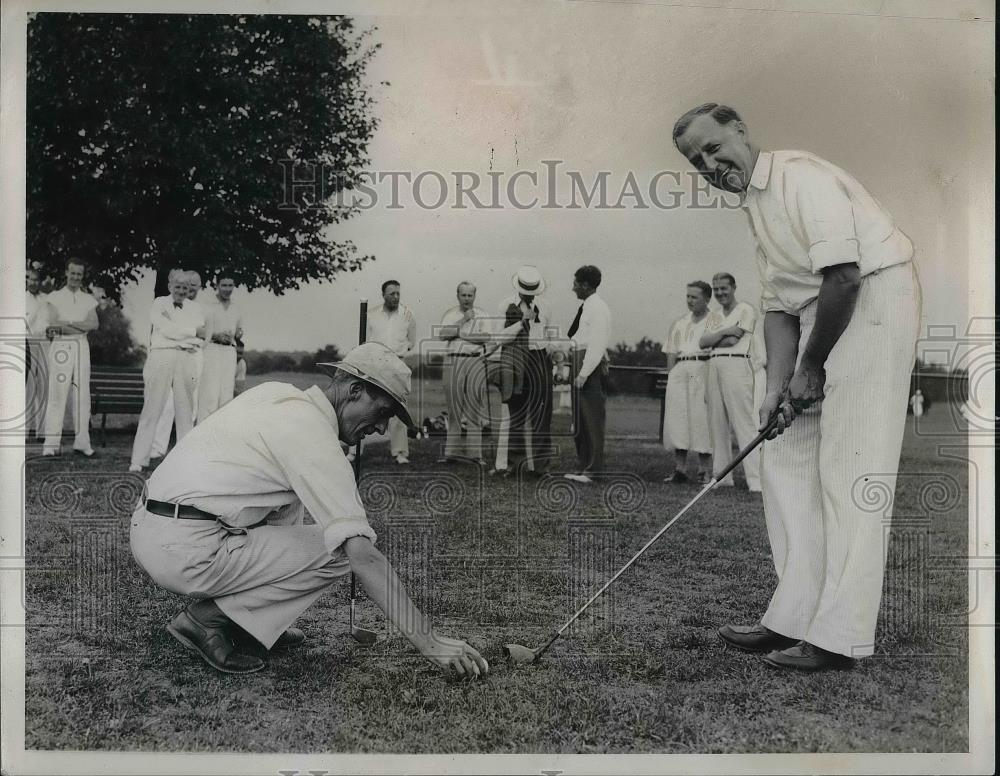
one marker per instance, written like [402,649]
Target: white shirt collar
[761,171]
[318,397]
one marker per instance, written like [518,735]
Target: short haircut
[721,113]
[192,275]
[389,283]
[77,262]
[588,274]
[724,276]
[176,274]
[702,286]
[346,378]
[224,276]
[458,288]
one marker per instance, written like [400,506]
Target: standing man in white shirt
[466,329]
[685,420]
[395,327]
[730,389]
[72,312]
[222,518]
[224,325]
[35,349]
[171,365]
[166,423]
[591,335]
[841,306]
[525,375]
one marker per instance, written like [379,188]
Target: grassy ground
[496,562]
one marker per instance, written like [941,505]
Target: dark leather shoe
[677,478]
[754,638]
[808,657]
[249,645]
[212,644]
[292,637]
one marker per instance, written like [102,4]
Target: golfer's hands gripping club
[804,390]
[455,658]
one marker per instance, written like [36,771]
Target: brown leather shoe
[808,657]
[754,638]
[212,644]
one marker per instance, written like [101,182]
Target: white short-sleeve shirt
[742,315]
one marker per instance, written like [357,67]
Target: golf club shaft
[362,336]
[714,481]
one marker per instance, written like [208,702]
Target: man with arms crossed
[224,326]
[395,327]
[72,312]
[466,329]
[730,386]
[841,306]
[222,517]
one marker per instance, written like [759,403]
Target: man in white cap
[222,517]
[394,326]
[525,375]
[841,306]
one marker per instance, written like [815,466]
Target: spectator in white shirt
[591,335]
[685,419]
[35,350]
[222,519]
[71,312]
[466,329]
[730,380]
[166,423]
[841,306]
[178,325]
[224,325]
[394,326]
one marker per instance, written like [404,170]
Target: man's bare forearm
[781,340]
[834,307]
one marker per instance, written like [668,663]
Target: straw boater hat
[528,281]
[374,363]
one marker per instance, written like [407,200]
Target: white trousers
[69,379]
[829,544]
[166,369]
[730,397]
[262,578]
[218,378]
[36,386]
[685,421]
[161,440]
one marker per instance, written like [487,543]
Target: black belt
[692,358]
[182,511]
[730,355]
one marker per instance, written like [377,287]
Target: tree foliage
[111,344]
[159,140]
[646,352]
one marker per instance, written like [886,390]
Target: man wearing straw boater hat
[221,519]
[526,373]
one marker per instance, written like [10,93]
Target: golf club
[519,655]
[360,635]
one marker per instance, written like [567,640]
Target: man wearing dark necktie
[591,335]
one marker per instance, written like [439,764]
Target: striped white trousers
[829,551]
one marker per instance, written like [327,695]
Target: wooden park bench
[115,390]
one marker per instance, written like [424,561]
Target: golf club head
[518,655]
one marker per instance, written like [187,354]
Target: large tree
[158,140]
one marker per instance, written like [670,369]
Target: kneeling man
[222,517]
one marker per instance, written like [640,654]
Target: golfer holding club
[221,519]
[841,306]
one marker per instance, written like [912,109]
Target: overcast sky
[903,104]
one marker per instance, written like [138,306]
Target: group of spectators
[517,349]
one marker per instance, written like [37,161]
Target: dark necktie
[573,327]
[179,305]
